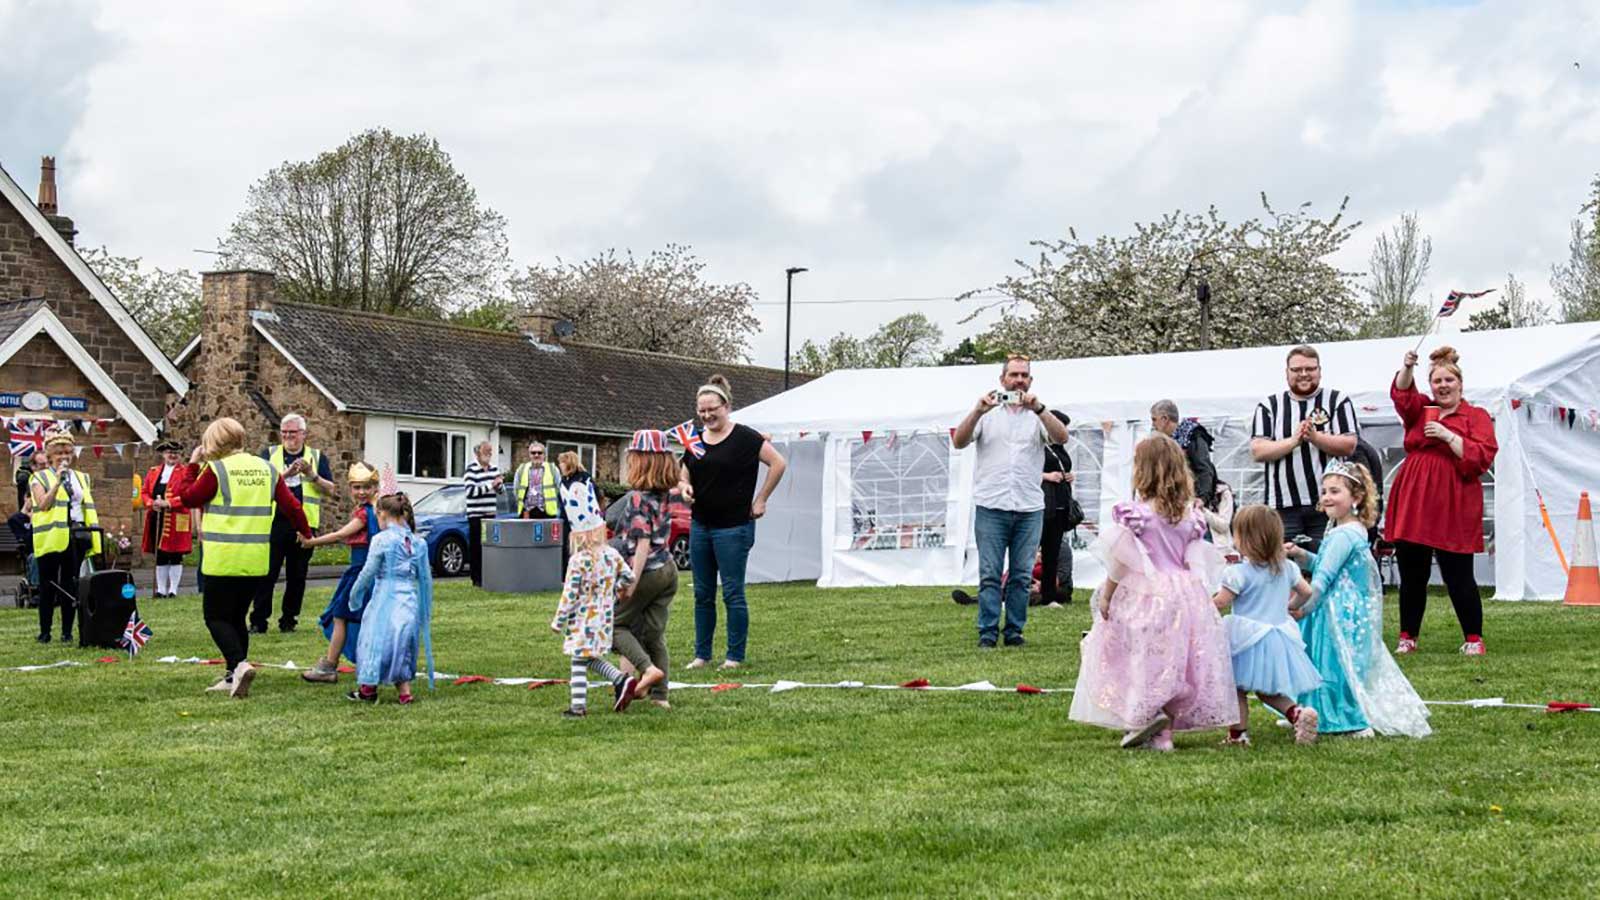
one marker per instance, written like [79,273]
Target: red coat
[175,523]
[1437,498]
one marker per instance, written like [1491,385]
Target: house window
[554,449]
[430,454]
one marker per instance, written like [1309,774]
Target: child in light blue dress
[1269,655]
[1363,691]
[394,594]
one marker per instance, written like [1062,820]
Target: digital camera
[1011,398]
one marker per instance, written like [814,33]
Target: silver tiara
[1349,470]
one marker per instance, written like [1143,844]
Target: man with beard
[1293,435]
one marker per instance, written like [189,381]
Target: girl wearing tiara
[1362,689]
[394,596]
[340,624]
[1157,657]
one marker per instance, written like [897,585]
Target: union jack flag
[1452,301]
[27,436]
[688,434]
[135,635]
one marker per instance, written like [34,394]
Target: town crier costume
[168,531]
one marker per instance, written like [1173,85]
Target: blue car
[442,520]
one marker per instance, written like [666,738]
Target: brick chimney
[539,325]
[48,204]
[227,366]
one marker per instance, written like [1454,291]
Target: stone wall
[235,365]
[607,450]
[28,268]
[41,365]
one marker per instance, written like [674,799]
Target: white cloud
[896,149]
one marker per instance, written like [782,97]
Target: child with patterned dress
[1156,658]
[394,596]
[1269,655]
[586,616]
[340,625]
[1362,689]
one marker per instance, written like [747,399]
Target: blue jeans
[720,552]
[999,532]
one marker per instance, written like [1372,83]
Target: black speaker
[105,602]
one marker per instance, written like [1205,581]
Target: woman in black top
[1055,571]
[719,482]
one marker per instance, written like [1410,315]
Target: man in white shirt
[1010,501]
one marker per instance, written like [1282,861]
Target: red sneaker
[1406,644]
[1473,648]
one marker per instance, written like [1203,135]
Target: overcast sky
[897,149]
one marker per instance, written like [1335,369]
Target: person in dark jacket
[1368,456]
[1060,515]
[1196,444]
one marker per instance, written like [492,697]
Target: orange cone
[1583,578]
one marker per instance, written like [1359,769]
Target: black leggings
[225,602]
[58,587]
[1051,590]
[1416,564]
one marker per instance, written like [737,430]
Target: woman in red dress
[1436,505]
[168,530]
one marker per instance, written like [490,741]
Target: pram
[27,590]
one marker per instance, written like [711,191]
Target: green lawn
[124,779]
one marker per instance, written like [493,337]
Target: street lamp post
[1202,293]
[788,316]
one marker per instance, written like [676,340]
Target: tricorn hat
[168,445]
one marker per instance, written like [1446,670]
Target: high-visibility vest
[310,494]
[138,491]
[52,528]
[547,485]
[237,527]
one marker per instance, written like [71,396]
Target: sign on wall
[37,402]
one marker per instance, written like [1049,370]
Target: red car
[678,538]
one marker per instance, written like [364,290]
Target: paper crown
[649,440]
[582,510]
[361,473]
[58,437]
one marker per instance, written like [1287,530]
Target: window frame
[408,434]
[587,453]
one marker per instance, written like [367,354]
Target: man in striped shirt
[483,480]
[1294,434]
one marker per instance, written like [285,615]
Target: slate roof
[14,312]
[414,367]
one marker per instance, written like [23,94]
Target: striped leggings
[579,681]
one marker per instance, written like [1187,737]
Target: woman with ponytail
[1436,504]
[719,481]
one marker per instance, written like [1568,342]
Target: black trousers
[475,549]
[1416,564]
[225,603]
[294,561]
[1303,520]
[58,587]
[1051,588]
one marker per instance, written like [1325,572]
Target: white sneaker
[698,663]
[242,676]
[730,664]
[1472,648]
[1364,734]
[223,684]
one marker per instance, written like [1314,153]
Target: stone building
[420,394]
[70,351]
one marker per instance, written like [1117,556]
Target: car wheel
[680,553]
[452,556]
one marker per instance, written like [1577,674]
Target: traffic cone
[1583,578]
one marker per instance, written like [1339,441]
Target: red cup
[1430,414]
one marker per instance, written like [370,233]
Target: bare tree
[1577,281]
[382,223]
[1396,270]
[661,303]
[1513,310]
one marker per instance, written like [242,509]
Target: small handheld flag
[1452,301]
[135,635]
[688,434]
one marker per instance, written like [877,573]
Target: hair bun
[720,381]
[1446,355]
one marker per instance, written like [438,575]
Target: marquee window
[899,492]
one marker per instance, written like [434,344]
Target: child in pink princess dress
[1157,657]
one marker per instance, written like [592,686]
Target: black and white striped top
[1296,479]
[480,489]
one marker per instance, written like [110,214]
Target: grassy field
[124,779]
